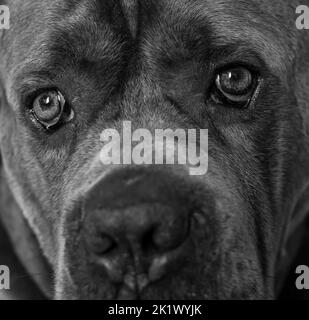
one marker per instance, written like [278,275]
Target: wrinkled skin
[153,64]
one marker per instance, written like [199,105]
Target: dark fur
[152,63]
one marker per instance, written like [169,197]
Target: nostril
[103,245]
[147,242]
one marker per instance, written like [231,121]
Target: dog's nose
[136,225]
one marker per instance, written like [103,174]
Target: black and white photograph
[154,150]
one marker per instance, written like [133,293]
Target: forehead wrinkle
[76,29]
[69,42]
[71,28]
[130,9]
[272,53]
[85,37]
[85,42]
[239,21]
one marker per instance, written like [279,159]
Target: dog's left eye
[50,109]
[234,86]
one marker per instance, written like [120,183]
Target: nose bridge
[146,112]
[142,105]
[145,103]
[142,102]
[134,185]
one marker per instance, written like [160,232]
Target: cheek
[34,173]
[30,191]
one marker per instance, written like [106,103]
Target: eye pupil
[45,101]
[48,107]
[237,81]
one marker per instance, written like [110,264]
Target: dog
[86,230]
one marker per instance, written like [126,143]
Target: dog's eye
[49,109]
[234,86]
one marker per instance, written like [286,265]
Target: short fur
[152,62]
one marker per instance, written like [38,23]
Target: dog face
[70,69]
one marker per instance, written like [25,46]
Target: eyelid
[238,55]
[259,86]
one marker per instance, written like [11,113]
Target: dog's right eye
[235,87]
[49,109]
